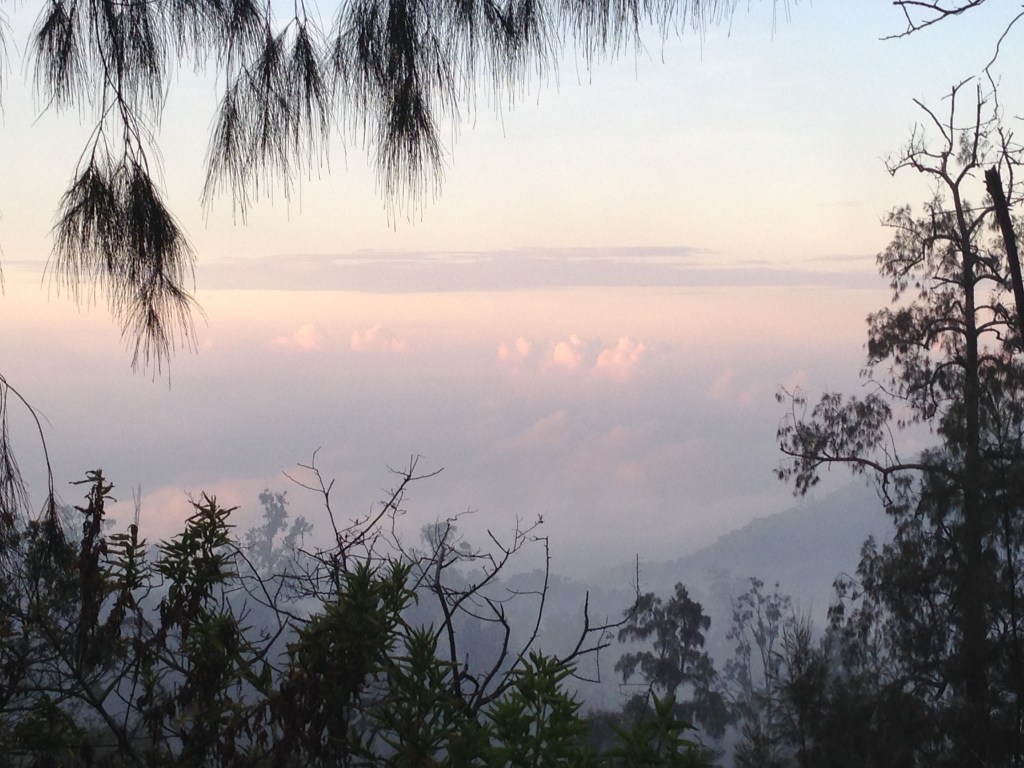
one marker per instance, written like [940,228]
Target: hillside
[802,549]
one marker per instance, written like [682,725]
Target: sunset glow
[590,322]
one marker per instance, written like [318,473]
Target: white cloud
[517,351]
[620,360]
[308,336]
[616,361]
[575,353]
[377,337]
[568,354]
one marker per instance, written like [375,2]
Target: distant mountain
[803,549]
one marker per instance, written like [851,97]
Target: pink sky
[635,419]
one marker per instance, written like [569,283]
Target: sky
[590,322]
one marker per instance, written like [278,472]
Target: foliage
[537,723]
[656,739]
[192,652]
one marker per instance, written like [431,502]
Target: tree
[946,355]
[762,624]
[775,682]
[676,666]
[843,698]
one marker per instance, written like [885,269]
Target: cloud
[524,269]
[591,356]
[308,336]
[515,352]
[568,354]
[377,337]
[620,360]
[575,353]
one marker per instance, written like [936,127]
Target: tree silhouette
[945,355]
[676,666]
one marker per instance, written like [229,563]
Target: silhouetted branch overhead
[115,232]
[920,14]
[395,76]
